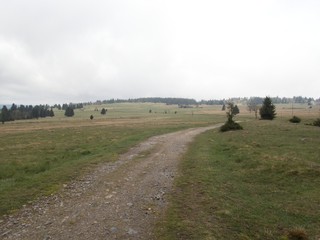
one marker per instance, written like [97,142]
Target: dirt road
[122,200]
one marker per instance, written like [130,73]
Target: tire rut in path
[120,200]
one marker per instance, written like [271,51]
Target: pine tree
[36,112]
[64,106]
[103,111]
[235,110]
[230,124]
[69,112]
[268,110]
[51,113]
[5,114]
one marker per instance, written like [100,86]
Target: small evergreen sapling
[230,123]
[268,110]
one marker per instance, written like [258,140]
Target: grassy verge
[259,183]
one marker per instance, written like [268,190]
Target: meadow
[39,156]
[258,183]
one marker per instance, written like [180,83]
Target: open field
[38,156]
[259,183]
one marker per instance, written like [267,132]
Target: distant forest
[168,101]
[187,101]
[20,112]
[23,112]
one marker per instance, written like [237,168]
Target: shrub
[295,119]
[317,122]
[230,126]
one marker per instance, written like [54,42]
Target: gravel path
[120,200]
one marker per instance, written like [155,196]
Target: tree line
[188,101]
[70,105]
[259,100]
[168,101]
[25,112]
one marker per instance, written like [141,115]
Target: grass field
[258,183]
[38,156]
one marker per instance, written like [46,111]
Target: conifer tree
[230,124]
[36,112]
[268,110]
[103,111]
[51,113]
[5,114]
[235,110]
[69,112]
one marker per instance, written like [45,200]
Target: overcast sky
[76,50]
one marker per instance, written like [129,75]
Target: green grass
[259,183]
[38,156]
[252,184]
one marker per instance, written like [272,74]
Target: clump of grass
[295,119]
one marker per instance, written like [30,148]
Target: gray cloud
[60,51]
